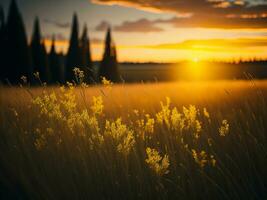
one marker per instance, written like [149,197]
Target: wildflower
[79,74]
[212,160]
[24,79]
[156,162]
[136,112]
[164,115]
[190,114]
[197,128]
[202,158]
[224,129]
[121,135]
[106,82]
[68,100]
[177,120]
[36,75]
[97,106]
[205,113]
[149,125]
[48,105]
[40,141]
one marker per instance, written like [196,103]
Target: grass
[205,141]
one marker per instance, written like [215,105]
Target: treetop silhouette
[18,61]
[109,66]
[39,56]
[86,61]
[73,58]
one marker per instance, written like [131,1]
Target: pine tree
[18,60]
[39,56]
[109,67]
[73,57]
[2,44]
[86,61]
[55,66]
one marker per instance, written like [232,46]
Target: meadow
[179,140]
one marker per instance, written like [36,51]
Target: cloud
[140,25]
[212,44]
[103,26]
[205,13]
[57,24]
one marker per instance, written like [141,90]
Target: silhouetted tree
[86,61]
[39,56]
[18,54]
[56,67]
[2,44]
[109,67]
[73,56]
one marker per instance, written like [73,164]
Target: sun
[195,60]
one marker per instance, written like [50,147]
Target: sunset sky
[158,30]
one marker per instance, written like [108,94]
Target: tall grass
[134,142]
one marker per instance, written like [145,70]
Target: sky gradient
[159,30]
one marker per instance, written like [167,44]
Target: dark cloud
[103,26]
[57,24]
[141,25]
[205,13]
[213,44]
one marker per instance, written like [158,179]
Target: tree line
[19,58]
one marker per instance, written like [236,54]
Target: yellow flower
[206,113]
[149,125]
[202,158]
[121,135]
[36,75]
[79,74]
[156,162]
[106,82]
[224,129]
[164,115]
[24,79]
[97,106]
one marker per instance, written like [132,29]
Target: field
[180,140]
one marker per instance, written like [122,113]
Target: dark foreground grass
[62,145]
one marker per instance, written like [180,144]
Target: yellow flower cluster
[156,162]
[121,135]
[202,158]
[97,106]
[106,82]
[224,129]
[145,126]
[79,74]
[187,120]
[62,109]
[48,105]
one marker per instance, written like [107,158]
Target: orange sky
[163,30]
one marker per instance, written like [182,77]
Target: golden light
[195,60]
[194,70]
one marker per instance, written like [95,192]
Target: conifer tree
[55,66]
[86,61]
[2,44]
[109,67]
[73,58]
[18,60]
[39,56]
